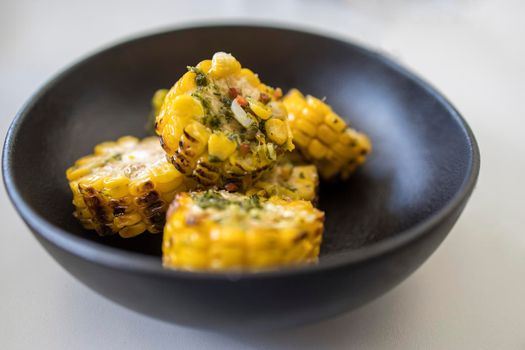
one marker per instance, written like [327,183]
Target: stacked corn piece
[289,181]
[323,137]
[125,187]
[218,230]
[221,126]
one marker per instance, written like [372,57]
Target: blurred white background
[469,295]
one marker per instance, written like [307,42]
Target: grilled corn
[323,137]
[220,125]
[218,230]
[289,181]
[125,187]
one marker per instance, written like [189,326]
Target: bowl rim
[141,263]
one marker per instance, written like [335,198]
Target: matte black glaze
[380,226]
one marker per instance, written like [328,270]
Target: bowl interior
[421,157]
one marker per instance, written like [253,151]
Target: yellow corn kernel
[222,257]
[317,105]
[139,186]
[276,130]
[250,77]
[193,238]
[220,146]
[169,186]
[75,173]
[118,192]
[103,147]
[165,173]
[132,231]
[227,236]
[224,64]
[128,141]
[316,149]
[187,107]
[127,220]
[306,127]
[204,66]
[185,84]
[326,135]
[198,132]
[311,115]
[194,258]
[170,138]
[84,213]
[259,109]
[85,160]
[78,201]
[345,152]
[115,181]
[168,197]
[335,122]
[301,139]
[158,100]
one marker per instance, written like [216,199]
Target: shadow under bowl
[380,226]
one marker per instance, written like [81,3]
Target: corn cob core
[220,124]
[124,187]
[289,181]
[323,137]
[218,230]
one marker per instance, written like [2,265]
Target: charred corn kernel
[323,137]
[224,64]
[222,98]
[126,188]
[277,131]
[198,132]
[220,146]
[259,109]
[218,230]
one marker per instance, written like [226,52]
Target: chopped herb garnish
[213,199]
[200,76]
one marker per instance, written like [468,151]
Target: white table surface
[470,294]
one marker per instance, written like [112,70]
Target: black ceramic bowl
[380,226]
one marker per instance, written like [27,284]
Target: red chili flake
[241,101]
[244,149]
[231,187]
[278,93]
[233,92]
[264,98]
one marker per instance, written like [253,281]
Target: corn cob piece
[324,138]
[289,181]
[125,187]
[218,230]
[220,125]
